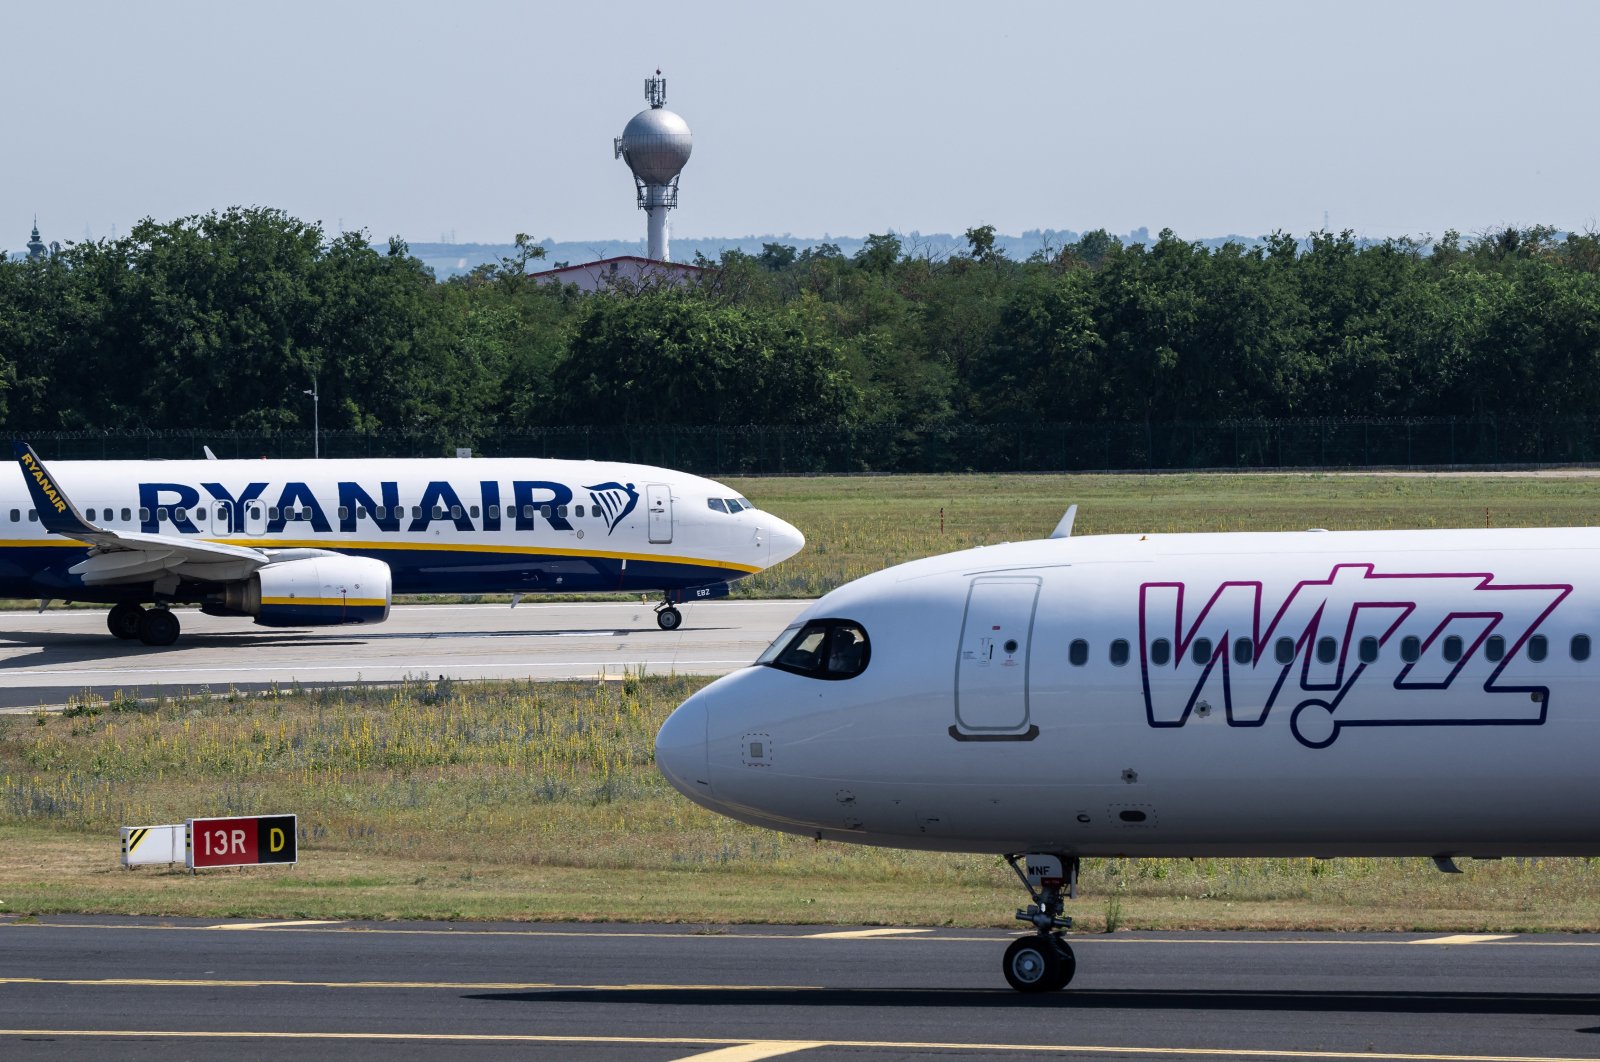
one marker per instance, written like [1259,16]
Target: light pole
[316,418]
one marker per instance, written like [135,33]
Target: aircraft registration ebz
[1304,694]
[295,543]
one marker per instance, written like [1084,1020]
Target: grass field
[540,801]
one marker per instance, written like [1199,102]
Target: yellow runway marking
[751,1052]
[1466,938]
[1087,940]
[864,934]
[715,1042]
[271,925]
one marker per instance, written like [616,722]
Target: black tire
[158,627]
[123,619]
[1033,964]
[1069,962]
[669,619]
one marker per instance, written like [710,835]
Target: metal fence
[777,450]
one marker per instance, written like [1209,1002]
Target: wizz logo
[614,501]
[1359,648]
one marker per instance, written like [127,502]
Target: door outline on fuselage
[221,519]
[255,517]
[658,500]
[993,660]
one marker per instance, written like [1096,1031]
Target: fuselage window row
[1451,648]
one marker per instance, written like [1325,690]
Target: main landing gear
[153,626]
[1043,961]
[668,618]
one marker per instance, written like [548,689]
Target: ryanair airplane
[319,543]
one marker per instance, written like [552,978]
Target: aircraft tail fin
[56,511]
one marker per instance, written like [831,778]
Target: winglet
[56,511]
[1064,528]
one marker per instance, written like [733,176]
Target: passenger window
[1244,651]
[1327,650]
[825,649]
[416,512]
[1160,652]
[1284,650]
[89,516]
[1452,648]
[455,512]
[527,512]
[473,512]
[1369,649]
[180,515]
[1538,648]
[494,512]
[1410,648]
[1201,653]
[33,516]
[716,505]
[1580,647]
[16,516]
[144,514]
[125,516]
[438,512]
[577,511]
[1495,648]
[1119,652]
[1078,652]
[344,512]
[561,511]
[544,511]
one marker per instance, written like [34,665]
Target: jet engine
[319,591]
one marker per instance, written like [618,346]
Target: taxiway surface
[46,657]
[77,987]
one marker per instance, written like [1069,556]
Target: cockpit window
[716,505]
[734,506]
[745,502]
[825,649]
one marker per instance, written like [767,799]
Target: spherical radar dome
[656,144]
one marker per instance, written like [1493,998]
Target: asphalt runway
[79,987]
[47,657]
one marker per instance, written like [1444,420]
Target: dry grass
[540,801]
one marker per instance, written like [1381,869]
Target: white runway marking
[273,925]
[863,934]
[1466,938]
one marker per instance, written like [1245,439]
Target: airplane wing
[129,556]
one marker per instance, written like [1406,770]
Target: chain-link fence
[774,450]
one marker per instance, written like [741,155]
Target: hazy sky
[483,119]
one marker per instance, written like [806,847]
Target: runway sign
[241,842]
[142,845]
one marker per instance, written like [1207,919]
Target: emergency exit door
[658,499]
[992,663]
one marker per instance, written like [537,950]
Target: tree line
[223,321]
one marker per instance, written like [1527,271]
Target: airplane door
[992,664]
[658,498]
[255,518]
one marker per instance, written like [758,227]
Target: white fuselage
[455,526]
[1295,694]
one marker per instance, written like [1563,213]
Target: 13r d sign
[241,842]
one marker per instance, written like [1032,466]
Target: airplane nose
[681,749]
[783,541]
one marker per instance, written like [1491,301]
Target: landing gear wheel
[669,618]
[1039,964]
[123,619]
[158,626]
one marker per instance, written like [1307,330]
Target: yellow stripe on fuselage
[448,547]
[328,602]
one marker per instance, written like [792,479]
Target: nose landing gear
[1043,962]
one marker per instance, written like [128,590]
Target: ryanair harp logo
[613,501]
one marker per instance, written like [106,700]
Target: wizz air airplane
[1304,694]
[318,543]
